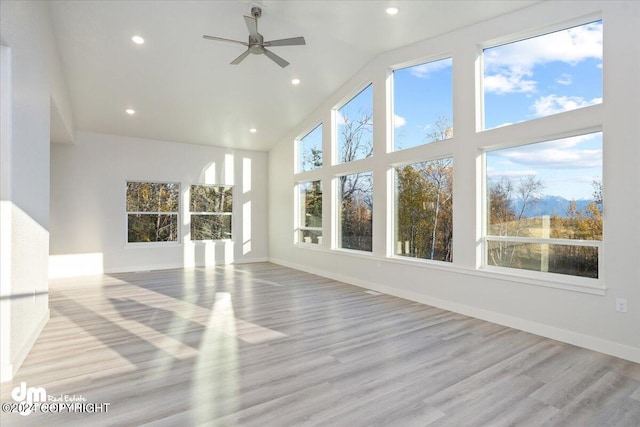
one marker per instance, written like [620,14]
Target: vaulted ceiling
[184,89]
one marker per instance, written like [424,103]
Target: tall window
[354,126]
[422,104]
[424,210]
[310,212]
[152,211]
[543,75]
[355,194]
[544,206]
[211,209]
[310,150]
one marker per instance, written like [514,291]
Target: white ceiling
[183,87]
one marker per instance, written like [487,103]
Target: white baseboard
[250,260]
[178,265]
[7,372]
[570,337]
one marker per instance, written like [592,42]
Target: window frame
[545,276]
[179,236]
[335,127]
[300,211]
[391,143]
[393,217]
[200,213]
[527,34]
[337,228]
[298,152]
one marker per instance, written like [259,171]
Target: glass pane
[211,198]
[562,259]
[549,189]
[152,228]
[310,150]
[543,75]
[424,210]
[310,236]
[310,204]
[354,124]
[210,227]
[422,104]
[152,197]
[356,211]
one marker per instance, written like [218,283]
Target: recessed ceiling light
[130,111]
[253,130]
[137,40]
[392,10]
[295,82]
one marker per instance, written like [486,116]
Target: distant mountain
[550,205]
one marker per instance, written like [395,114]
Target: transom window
[354,126]
[310,150]
[422,104]
[543,75]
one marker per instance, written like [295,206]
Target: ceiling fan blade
[252,26]
[240,58]
[220,39]
[293,41]
[275,58]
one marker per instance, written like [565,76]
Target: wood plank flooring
[263,345]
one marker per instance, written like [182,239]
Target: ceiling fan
[256,44]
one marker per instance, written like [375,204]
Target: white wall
[583,316]
[88,213]
[29,67]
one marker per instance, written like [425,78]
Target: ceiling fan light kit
[256,43]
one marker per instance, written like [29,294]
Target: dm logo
[29,396]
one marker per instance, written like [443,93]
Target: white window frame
[178,241]
[337,227]
[393,211]
[298,152]
[597,283]
[301,211]
[335,138]
[391,146]
[505,133]
[190,213]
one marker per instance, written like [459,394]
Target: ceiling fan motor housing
[256,12]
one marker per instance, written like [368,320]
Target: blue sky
[421,95]
[313,140]
[355,110]
[567,167]
[538,77]
[521,81]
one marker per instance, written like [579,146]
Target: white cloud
[565,79]
[398,121]
[339,118]
[553,158]
[508,68]
[511,80]
[510,174]
[553,104]
[422,71]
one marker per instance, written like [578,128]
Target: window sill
[148,245]
[569,283]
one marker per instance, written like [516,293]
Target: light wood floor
[263,345]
